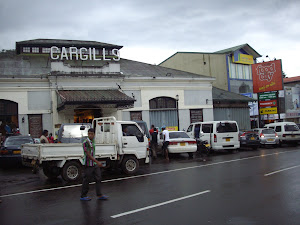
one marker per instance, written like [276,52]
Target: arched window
[163,103]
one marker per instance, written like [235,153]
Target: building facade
[46,82]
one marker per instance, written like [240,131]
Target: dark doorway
[35,125]
[8,115]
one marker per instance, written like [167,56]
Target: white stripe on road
[278,171]
[160,204]
[145,175]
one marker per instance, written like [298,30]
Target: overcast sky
[153,30]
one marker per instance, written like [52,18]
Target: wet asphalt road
[237,188]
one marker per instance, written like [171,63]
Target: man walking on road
[166,142]
[91,168]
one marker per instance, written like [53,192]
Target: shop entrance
[86,113]
[8,116]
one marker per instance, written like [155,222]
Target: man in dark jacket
[154,142]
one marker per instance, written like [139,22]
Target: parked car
[11,148]
[249,139]
[288,132]
[221,135]
[180,142]
[267,136]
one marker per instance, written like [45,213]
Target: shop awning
[83,97]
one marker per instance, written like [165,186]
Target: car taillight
[173,143]
[243,135]
[283,135]
[215,138]
[192,142]
[262,135]
[3,152]
[276,135]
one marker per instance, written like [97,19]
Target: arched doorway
[8,115]
[86,113]
[164,112]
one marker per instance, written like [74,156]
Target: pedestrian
[92,169]
[154,142]
[50,138]
[44,136]
[166,142]
[152,129]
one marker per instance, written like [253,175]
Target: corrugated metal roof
[139,69]
[245,47]
[73,97]
[291,79]
[219,94]
[61,42]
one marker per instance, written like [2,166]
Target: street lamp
[177,99]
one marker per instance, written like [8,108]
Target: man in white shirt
[166,142]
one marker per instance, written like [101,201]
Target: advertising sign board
[268,103]
[267,96]
[267,76]
[264,111]
[242,58]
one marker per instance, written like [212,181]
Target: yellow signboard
[265,111]
[242,58]
[174,128]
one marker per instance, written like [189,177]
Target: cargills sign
[73,53]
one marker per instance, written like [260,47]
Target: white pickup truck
[113,149]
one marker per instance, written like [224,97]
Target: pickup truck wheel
[130,165]
[72,171]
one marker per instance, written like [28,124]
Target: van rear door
[226,134]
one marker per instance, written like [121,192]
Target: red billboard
[267,76]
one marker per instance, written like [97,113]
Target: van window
[226,127]
[278,129]
[291,128]
[190,128]
[272,128]
[207,128]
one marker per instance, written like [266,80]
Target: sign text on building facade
[82,54]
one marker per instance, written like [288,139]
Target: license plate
[270,139]
[17,152]
[182,144]
[207,145]
[252,138]
[103,163]
[227,139]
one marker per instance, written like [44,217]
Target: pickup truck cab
[114,149]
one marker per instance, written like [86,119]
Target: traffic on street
[243,187]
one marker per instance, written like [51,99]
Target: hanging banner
[267,76]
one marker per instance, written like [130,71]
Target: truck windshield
[73,131]
[226,127]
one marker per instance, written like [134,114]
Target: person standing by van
[165,142]
[91,168]
[154,142]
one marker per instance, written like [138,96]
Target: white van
[288,132]
[221,135]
